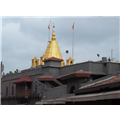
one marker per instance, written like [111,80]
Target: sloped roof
[76,74]
[113,82]
[49,78]
[23,79]
[53,58]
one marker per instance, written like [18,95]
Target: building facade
[52,81]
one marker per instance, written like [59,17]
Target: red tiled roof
[49,78]
[53,58]
[109,81]
[23,79]
[76,74]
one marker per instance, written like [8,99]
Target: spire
[53,35]
[35,57]
[53,49]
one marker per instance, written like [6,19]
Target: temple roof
[49,79]
[53,49]
[76,74]
[103,85]
[23,79]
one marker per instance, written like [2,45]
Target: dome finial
[53,35]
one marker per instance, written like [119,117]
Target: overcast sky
[25,37]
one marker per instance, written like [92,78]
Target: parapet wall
[23,73]
[56,92]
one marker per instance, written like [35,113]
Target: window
[72,89]
[12,90]
[6,90]
[29,85]
[35,87]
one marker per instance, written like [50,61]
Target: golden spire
[53,35]
[35,57]
[52,50]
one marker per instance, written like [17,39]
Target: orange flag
[73,26]
[48,26]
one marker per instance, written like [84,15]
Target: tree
[10,72]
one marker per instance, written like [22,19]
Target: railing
[23,92]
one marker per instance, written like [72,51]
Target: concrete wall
[56,92]
[54,71]
[76,82]
[23,73]
[53,63]
[112,67]
[72,68]
[38,83]
[96,67]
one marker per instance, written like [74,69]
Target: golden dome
[53,49]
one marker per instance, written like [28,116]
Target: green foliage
[7,74]
[10,72]
[15,71]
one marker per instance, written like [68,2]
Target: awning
[49,79]
[23,79]
[76,74]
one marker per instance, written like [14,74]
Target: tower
[70,61]
[52,50]
[35,61]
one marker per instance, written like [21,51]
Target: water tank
[104,59]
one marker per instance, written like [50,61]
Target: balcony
[25,92]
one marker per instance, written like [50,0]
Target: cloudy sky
[25,37]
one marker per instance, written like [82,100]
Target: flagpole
[50,27]
[73,42]
[49,33]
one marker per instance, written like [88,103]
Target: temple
[52,50]
[49,81]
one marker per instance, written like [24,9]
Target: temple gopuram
[49,81]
